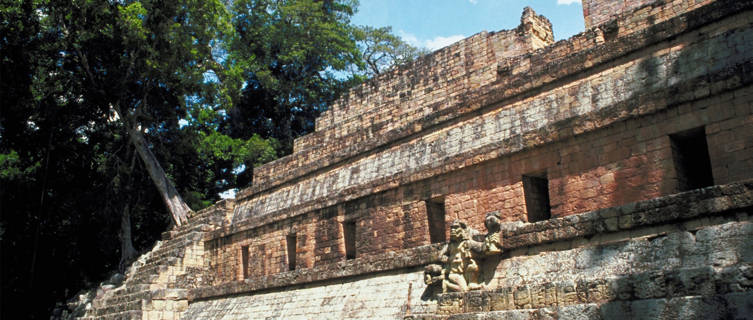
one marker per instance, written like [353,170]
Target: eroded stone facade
[617,163]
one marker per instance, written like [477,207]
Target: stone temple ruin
[607,176]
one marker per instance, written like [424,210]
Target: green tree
[381,49]
[140,60]
[85,85]
[293,54]
[114,111]
[297,57]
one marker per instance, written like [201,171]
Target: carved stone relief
[462,254]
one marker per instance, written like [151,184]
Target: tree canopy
[381,49]
[121,117]
[294,55]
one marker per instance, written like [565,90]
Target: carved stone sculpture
[460,257]
[492,241]
[460,263]
[433,273]
[460,271]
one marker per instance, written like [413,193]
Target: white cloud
[228,194]
[566,2]
[410,38]
[473,1]
[431,44]
[441,42]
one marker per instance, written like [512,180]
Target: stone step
[173,234]
[170,294]
[174,253]
[145,278]
[172,245]
[157,286]
[125,300]
[171,248]
[166,261]
[120,308]
[190,234]
[121,297]
[152,269]
[136,288]
[127,315]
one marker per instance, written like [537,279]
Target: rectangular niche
[244,261]
[536,192]
[349,236]
[436,216]
[690,154]
[291,240]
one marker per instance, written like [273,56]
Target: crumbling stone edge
[546,69]
[656,100]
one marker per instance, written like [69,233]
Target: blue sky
[436,23]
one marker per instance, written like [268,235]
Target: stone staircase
[156,286]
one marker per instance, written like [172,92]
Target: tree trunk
[127,251]
[178,208]
[287,132]
[35,250]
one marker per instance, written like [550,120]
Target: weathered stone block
[647,309]
[690,282]
[501,299]
[477,301]
[649,285]
[739,305]
[450,303]
[567,293]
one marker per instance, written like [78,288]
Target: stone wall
[403,95]
[596,265]
[599,12]
[377,296]
[601,139]
[619,161]
[635,87]
[596,116]
[611,270]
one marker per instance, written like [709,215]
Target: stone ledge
[544,67]
[723,306]
[709,201]
[705,281]
[384,262]
[688,205]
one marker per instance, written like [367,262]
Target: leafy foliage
[294,54]
[381,49]
[75,76]
[214,90]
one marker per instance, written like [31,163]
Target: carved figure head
[492,221]
[433,270]
[458,231]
